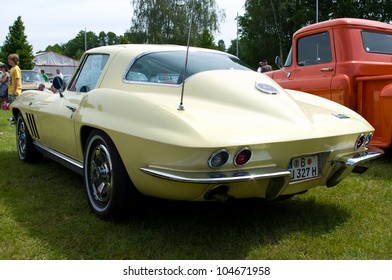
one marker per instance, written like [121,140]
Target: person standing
[15,85]
[5,77]
[46,78]
[59,74]
[264,66]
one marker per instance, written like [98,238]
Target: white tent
[50,61]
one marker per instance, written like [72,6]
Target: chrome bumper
[346,164]
[218,177]
[279,177]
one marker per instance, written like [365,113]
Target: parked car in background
[32,79]
[132,121]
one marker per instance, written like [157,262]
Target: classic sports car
[134,120]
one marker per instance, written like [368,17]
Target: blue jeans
[11,97]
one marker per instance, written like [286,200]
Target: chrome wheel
[101,174]
[106,180]
[21,138]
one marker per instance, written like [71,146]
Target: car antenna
[181,106]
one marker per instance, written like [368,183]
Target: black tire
[24,142]
[106,181]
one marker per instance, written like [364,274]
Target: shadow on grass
[48,201]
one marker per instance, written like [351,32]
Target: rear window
[377,42]
[168,67]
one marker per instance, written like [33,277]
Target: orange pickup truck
[348,61]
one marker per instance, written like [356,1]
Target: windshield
[289,59]
[32,76]
[168,67]
[377,42]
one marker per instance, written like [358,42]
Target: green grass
[44,215]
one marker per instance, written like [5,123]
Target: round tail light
[360,141]
[218,159]
[368,138]
[242,157]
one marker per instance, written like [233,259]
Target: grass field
[44,215]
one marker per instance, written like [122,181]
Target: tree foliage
[16,42]
[268,25]
[85,40]
[167,21]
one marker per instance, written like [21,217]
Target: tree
[107,39]
[55,48]
[167,21]
[221,46]
[233,47]
[77,46]
[206,40]
[16,42]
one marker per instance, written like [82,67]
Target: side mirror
[58,84]
[278,61]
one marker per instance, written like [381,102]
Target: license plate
[303,168]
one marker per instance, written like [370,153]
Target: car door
[314,65]
[57,118]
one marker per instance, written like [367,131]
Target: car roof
[142,48]
[354,22]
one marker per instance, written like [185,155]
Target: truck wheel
[106,181]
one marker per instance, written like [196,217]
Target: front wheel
[106,181]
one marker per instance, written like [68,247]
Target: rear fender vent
[32,125]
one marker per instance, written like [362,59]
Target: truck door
[311,66]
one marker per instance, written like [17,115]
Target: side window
[160,67]
[314,49]
[89,73]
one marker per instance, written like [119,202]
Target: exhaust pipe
[219,193]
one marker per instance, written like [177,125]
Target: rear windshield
[377,42]
[168,67]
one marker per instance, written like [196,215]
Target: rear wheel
[106,181]
[24,142]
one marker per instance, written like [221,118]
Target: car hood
[249,107]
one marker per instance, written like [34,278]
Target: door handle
[72,108]
[326,69]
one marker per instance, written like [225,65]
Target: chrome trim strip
[217,177]
[68,162]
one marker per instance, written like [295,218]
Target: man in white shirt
[59,74]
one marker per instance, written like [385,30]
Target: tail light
[218,159]
[360,141]
[243,156]
[368,138]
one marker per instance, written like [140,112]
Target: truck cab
[348,61]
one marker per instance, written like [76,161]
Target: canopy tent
[50,61]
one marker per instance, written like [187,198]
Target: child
[15,85]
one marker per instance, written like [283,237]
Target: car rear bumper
[278,178]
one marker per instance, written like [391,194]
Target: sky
[49,22]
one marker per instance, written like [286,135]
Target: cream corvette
[132,121]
